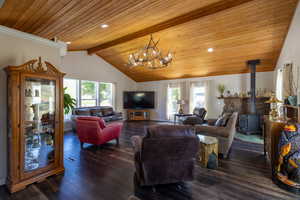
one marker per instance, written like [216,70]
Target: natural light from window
[198,97]
[106,94]
[173,96]
[88,93]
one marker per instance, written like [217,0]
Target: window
[173,96]
[88,94]
[106,94]
[198,97]
[279,84]
[71,86]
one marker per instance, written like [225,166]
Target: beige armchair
[225,134]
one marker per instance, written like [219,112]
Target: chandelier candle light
[150,56]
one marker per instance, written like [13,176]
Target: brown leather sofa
[225,134]
[165,155]
[107,113]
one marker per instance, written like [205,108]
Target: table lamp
[181,103]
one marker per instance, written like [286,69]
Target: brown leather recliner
[198,117]
[165,155]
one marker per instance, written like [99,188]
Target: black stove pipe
[252,65]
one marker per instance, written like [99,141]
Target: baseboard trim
[2,181]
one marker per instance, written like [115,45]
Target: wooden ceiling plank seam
[45,17]
[61,24]
[16,12]
[88,24]
[129,8]
[7,8]
[59,15]
[36,15]
[28,13]
[201,12]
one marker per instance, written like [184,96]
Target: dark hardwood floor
[107,174]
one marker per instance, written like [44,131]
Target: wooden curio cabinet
[35,123]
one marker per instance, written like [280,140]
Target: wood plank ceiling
[238,30]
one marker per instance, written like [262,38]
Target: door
[39,125]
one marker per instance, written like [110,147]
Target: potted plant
[221,89]
[69,102]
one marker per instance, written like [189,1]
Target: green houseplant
[221,89]
[69,102]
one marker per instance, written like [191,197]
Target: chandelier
[150,56]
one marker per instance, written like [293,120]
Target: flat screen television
[138,100]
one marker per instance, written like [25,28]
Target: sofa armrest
[137,143]
[113,129]
[215,130]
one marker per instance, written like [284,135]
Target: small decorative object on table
[208,152]
[180,103]
[273,101]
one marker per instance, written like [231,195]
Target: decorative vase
[292,100]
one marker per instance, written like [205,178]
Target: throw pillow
[96,112]
[219,121]
[107,112]
[226,117]
[222,121]
[83,112]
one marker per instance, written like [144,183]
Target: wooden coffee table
[207,146]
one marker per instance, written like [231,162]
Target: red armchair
[93,130]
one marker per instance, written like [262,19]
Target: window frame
[96,95]
[112,99]
[169,113]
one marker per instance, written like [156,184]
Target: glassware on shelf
[39,115]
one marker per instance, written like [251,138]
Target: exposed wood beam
[198,13]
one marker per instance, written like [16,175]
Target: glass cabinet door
[39,123]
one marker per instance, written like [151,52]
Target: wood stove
[250,123]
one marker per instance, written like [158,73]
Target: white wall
[80,65]
[238,82]
[291,48]
[290,52]
[15,49]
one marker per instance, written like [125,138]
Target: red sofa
[93,130]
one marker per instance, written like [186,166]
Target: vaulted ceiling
[238,30]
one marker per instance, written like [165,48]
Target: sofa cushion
[90,118]
[107,111]
[96,112]
[158,131]
[85,112]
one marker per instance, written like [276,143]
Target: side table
[207,146]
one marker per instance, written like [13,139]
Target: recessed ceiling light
[104,25]
[68,42]
[210,50]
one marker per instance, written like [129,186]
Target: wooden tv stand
[136,114]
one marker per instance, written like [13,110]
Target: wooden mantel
[242,105]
